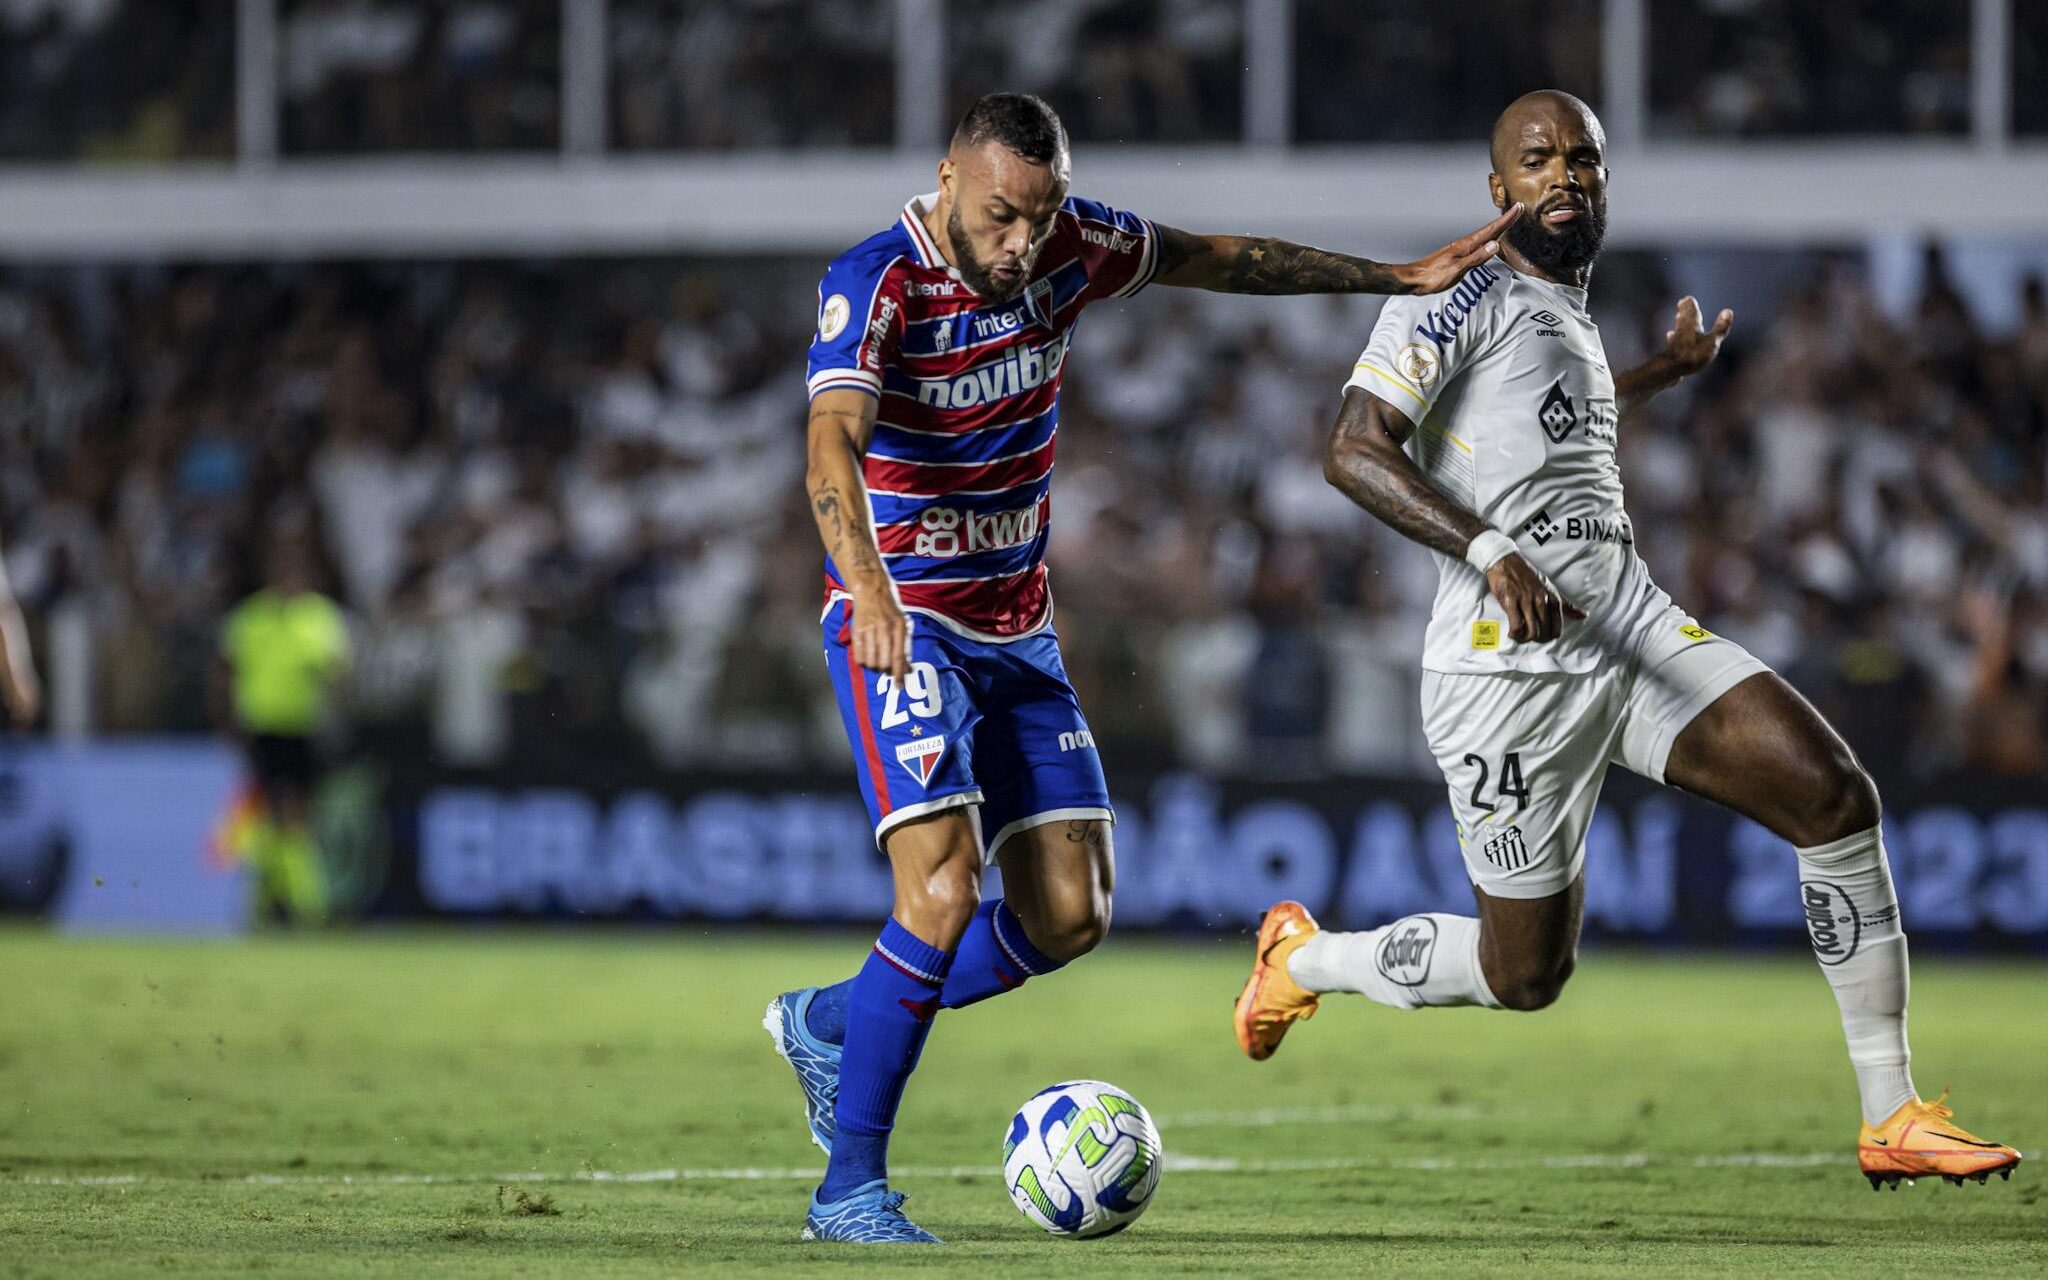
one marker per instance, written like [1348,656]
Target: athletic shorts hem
[1698,700]
[1529,890]
[1083,813]
[937,804]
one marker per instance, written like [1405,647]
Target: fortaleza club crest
[921,755]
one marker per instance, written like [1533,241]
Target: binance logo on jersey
[1557,415]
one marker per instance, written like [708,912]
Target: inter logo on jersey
[921,755]
[1557,414]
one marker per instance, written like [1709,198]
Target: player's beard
[970,268]
[1561,250]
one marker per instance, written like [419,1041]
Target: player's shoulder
[1460,315]
[886,252]
[1103,225]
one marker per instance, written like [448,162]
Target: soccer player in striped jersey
[934,382]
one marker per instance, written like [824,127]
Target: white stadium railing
[588,200]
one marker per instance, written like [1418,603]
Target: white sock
[1852,917]
[1417,961]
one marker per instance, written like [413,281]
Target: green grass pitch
[438,1103]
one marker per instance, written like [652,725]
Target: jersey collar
[1570,293]
[921,244]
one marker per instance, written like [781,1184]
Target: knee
[1842,802]
[940,904]
[1077,930]
[1529,988]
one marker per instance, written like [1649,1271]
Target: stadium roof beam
[1386,200]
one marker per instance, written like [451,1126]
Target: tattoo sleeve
[1263,265]
[838,494]
[1366,462]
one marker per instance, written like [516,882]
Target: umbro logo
[1547,323]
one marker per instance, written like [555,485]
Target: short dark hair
[1022,122]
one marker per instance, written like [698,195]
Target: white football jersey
[1515,416]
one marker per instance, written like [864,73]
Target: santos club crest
[921,756]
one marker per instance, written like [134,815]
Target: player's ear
[1497,191]
[946,175]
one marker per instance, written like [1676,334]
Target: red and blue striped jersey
[959,471]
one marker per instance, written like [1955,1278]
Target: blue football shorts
[995,726]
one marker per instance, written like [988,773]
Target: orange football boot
[1272,1000]
[1922,1139]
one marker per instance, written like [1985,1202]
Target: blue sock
[888,1014]
[826,1018]
[994,956]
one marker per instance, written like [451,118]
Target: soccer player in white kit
[1482,423]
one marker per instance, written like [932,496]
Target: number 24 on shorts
[922,687]
[1511,783]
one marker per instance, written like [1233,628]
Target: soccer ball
[1081,1159]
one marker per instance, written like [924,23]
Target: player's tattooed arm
[1265,265]
[1688,348]
[1366,462]
[841,423]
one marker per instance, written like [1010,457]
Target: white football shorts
[1525,754]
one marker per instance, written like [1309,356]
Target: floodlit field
[535,1104]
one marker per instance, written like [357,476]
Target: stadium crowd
[562,506]
[111,80]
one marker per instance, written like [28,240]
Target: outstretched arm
[1366,462]
[842,422]
[1688,348]
[1261,264]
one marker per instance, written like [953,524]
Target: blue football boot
[816,1063]
[871,1214]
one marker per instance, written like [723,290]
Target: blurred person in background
[19,686]
[283,650]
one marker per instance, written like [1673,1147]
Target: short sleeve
[860,321]
[1119,250]
[1421,344]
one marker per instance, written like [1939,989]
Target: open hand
[1535,609]
[1442,269]
[1690,347]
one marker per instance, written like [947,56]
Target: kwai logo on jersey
[1021,369]
[1441,325]
[1404,957]
[920,756]
[945,532]
[1557,415]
